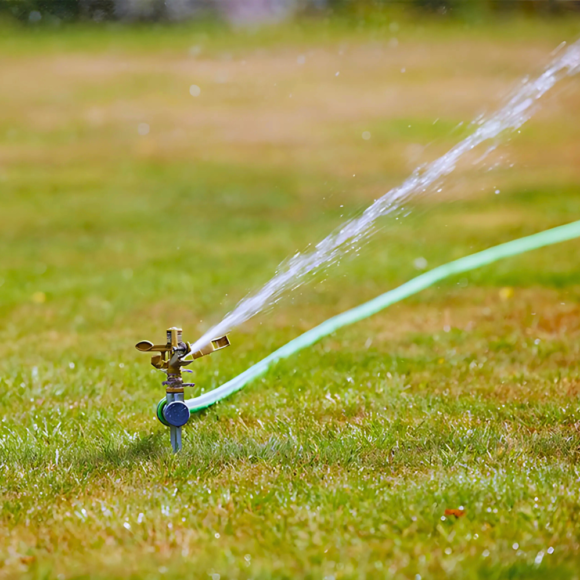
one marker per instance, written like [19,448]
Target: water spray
[424,181]
[174,412]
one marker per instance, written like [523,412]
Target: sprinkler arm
[172,355]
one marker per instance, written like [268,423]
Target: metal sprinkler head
[173,411]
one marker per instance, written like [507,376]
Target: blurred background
[160,159]
[255,11]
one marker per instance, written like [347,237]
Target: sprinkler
[173,411]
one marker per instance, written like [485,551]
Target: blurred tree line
[35,11]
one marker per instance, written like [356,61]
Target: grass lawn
[129,206]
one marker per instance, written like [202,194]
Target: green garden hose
[513,248]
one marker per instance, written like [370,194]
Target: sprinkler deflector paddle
[173,411]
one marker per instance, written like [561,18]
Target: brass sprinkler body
[170,360]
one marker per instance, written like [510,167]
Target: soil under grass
[129,206]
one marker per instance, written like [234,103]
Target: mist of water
[519,107]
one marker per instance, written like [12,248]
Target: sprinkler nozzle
[171,360]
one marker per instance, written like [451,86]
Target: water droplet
[420,263]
